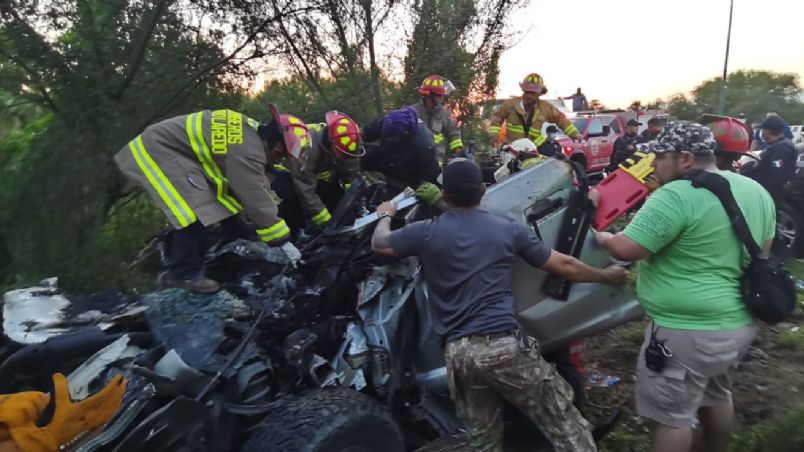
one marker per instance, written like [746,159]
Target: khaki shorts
[698,374]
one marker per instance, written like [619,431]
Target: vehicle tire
[789,224]
[327,420]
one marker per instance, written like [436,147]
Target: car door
[598,144]
[539,198]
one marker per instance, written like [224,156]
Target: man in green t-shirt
[689,285]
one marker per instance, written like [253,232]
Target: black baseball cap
[633,122]
[774,123]
[463,182]
[551,129]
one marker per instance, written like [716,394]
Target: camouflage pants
[483,373]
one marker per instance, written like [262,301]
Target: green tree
[461,40]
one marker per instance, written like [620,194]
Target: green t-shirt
[692,279]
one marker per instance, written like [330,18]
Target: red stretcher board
[618,194]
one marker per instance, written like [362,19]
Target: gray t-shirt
[466,258]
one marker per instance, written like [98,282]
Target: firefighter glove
[292,253]
[70,418]
[429,193]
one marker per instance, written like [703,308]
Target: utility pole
[722,103]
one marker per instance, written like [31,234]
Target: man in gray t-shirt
[466,256]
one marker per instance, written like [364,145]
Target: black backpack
[768,290]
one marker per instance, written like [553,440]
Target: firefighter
[206,168]
[733,140]
[625,145]
[404,152]
[524,116]
[436,117]
[328,163]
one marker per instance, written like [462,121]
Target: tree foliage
[753,93]
[461,40]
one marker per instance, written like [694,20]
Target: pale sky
[622,50]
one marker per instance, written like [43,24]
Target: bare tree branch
[139,53]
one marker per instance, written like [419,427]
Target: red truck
[599,130]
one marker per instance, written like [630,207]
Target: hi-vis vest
[206,166]
[513,114]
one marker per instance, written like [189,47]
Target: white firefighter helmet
[524,145]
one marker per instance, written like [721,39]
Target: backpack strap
[720,187]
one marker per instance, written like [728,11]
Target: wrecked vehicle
[339,354]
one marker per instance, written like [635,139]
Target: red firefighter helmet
[344,134]
[296,133]
[532,82]
[436,84]
[731,134]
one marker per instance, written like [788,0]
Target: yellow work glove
[70,419]
[429,193]
[21,409]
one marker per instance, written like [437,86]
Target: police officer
[652,132]
[624,145]
[776,166]
[777,163]
[551,147]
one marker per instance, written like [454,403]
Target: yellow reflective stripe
[322,217]
[454,144]
[571,130]
[325,176]
[196,136]
[494,129]
[438,137]
[516,129]
[253,123]
[282,168]
[277,231]
[539,139]
[169,195]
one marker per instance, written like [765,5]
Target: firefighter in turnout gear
[446,133]
[329,162]
[524,116]
[206,168]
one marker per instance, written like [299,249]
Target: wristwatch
[383,215]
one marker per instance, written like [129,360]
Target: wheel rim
[786,227]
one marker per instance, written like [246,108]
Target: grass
[782,433]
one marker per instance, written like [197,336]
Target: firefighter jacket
[317,163]
[206,166]
[445,130]
[512,112]
[405,163]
